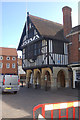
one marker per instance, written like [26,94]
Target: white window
[13,58]
[65,48]
[30,26]
[35,32]
[1,65]
[13,65]
[79,37]
[23,50]
[1,57]
[8,58]
[8,65]
[79,49]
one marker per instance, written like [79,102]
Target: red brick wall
[73,49]
[10,70]
[79,52]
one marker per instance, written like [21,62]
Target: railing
[57,59]
[58,106]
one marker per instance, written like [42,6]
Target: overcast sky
[14,17]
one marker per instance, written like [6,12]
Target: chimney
[67,22]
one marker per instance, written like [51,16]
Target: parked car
[10,83]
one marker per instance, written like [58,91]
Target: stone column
[42,82]
[67,82]
[28,82]
[34,81]
[53,82]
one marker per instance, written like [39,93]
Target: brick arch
[61,78]
[64,71]
[29,73]
[47,84]
[44,70]
[37,77]
[36,71]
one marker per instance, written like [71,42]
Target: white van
[10,83]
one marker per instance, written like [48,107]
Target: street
[21,105]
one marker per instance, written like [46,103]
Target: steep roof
[8,51]
[47,28]
[75,29]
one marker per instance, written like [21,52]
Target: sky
[13,16]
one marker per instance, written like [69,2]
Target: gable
[37,27]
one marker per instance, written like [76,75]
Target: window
[78,74]
[8,65]
[58,47]
[1,65]
[8,58]
[13,65]
[13,58]
[23,50]
[1,57]
[79,37]
[35,32]
[30,26]
[65,48]
[33,50]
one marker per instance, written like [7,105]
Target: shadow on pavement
[21,104]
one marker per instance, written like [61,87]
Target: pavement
[21,105]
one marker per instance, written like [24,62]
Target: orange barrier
[57,106]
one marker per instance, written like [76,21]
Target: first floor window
[65,48]
[13,65]
[1,65]
[8,65]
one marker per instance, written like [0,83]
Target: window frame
[7,58]
[7,64]
[0,57]
[1,65]
[65,48]
[13,58]
[14,64]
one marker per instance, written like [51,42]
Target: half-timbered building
[45,53]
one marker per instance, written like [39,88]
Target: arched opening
[47,80]
[30,79]
[60,79]
[38,80]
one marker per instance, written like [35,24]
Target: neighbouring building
[8,61]
[21,72]
[44,49]
[74,55]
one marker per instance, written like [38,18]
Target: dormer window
[1,57]
[30,26]
[13,58]
[8,58]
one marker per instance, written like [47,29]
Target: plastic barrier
[57,106]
